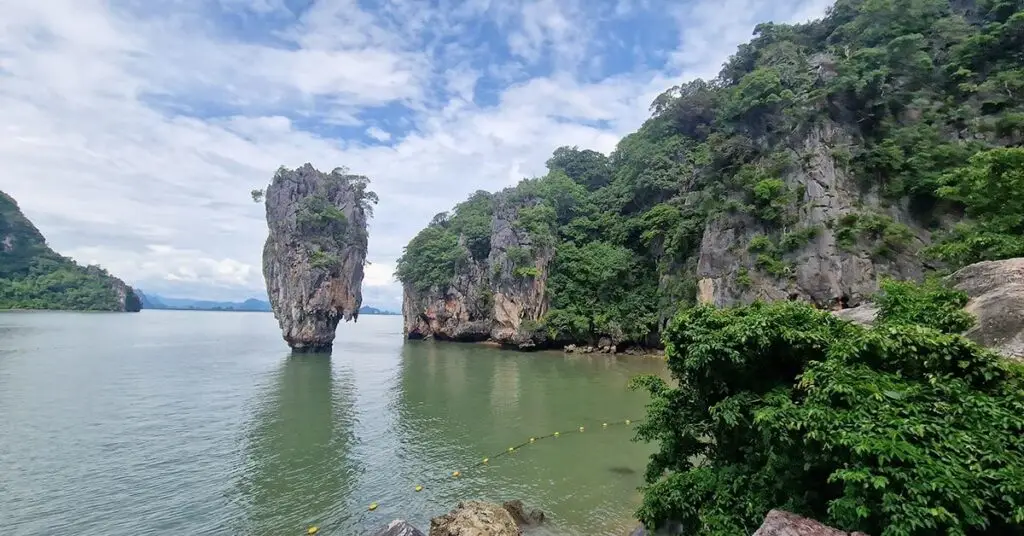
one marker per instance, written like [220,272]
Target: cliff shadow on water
[297,468]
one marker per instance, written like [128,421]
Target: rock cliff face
[840,262]
[314,256]
[499,298]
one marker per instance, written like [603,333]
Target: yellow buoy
[605,425]
[419,488]
[510,449]
[532,439]
[373,506]
[312,530]
[581,428]
[556,434]
[486,460]
[627,421]
[456,474]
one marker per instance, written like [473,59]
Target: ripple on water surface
[200,423]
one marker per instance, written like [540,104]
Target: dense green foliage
[32,276]
[991,188]
[902,429]
[930,304]
[432,257]
[926,98]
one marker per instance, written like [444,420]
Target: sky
[134,130]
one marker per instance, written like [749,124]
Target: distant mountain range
[154,301]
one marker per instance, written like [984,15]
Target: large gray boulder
[996,289]
[314,256]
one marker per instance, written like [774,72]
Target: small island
[315,252]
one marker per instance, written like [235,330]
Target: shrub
[897,430]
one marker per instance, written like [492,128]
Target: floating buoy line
[313,529]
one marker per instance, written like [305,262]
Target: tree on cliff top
[901,429]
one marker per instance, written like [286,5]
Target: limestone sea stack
[314,256]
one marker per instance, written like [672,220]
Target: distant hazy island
[33,276]
[155,301]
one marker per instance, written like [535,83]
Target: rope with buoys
[310,531]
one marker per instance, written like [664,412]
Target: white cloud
[378,134]
[133,141]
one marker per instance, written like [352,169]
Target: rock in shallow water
[314,256]
[478,518]
[521,515]
[398,527]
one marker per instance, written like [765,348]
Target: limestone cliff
[500,296]
[314,256]
[839,246]
[823,158]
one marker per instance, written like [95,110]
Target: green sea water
[168,422]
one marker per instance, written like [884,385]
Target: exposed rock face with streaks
[838,266]
[314,256]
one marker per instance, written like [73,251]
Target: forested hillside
[33,276]
[881,141]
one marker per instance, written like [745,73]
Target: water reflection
[459,403]
[297,467]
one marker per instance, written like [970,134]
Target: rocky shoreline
[513,518]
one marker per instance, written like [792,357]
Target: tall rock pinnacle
[313,259]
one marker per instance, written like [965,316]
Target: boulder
[781,523]
[314,255]
[475,518]
[398,527]
[996,289]
[996,292]
[522,516]
[862,315]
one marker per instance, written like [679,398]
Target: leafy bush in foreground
[896,430]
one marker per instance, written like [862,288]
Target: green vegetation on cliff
[32,276]
[906,428]
[927,94]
